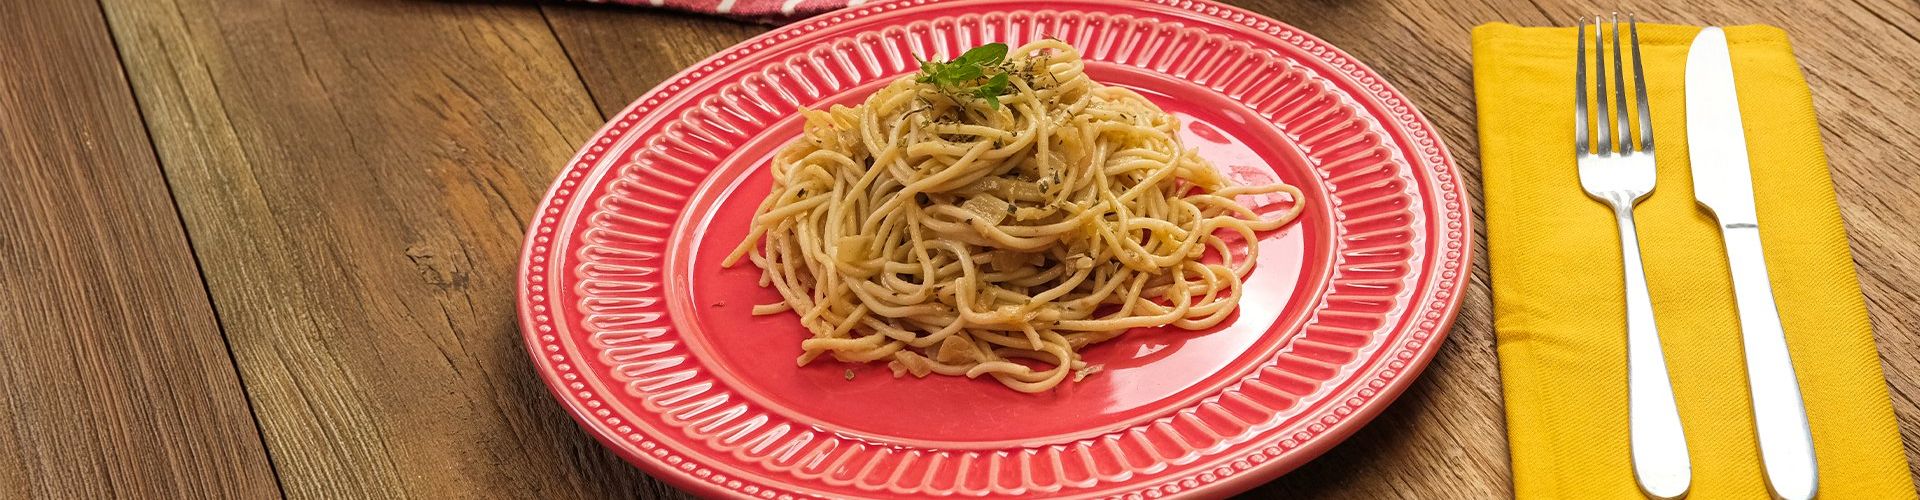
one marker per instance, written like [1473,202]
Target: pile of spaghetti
[994,214]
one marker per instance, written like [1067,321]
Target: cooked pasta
[965,223]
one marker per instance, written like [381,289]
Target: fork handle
[1779,416]
[1659,448]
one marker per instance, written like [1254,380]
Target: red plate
[648,343]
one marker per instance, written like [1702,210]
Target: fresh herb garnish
[992,89]
[964,74]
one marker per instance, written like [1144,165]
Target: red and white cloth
[772,11]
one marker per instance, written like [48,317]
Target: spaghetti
[995,225]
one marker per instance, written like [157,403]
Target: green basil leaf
[929,72]
[997,85]
[992,90]
[985,55]
[956,74]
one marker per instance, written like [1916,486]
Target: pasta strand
[953,236]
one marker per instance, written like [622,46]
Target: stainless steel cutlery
[1615,156]
[1723,183]
[1618,170]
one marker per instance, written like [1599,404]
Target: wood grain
[621,52]
[355,176]
[114,380]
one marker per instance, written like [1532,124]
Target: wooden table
[259,249]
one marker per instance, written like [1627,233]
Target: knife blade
[1723,184]
[1722,180]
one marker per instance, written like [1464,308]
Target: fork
[1619,171]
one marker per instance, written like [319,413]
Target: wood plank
[1446,438]
[622,52]
[115,380]
[356,177]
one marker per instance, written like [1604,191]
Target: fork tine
[1601,122]
[1620,92]
[1640,87]
[1580,90]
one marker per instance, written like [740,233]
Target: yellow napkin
[1559,310]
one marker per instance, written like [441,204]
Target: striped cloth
[768,11]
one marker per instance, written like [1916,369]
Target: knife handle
[1779,415]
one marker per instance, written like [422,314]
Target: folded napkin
[769,11]
[1559,311]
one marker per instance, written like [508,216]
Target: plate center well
[1147,371]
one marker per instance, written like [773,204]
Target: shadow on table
[1410,433]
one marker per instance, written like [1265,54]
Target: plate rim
[1447,292]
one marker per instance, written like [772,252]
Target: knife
[1723,183]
